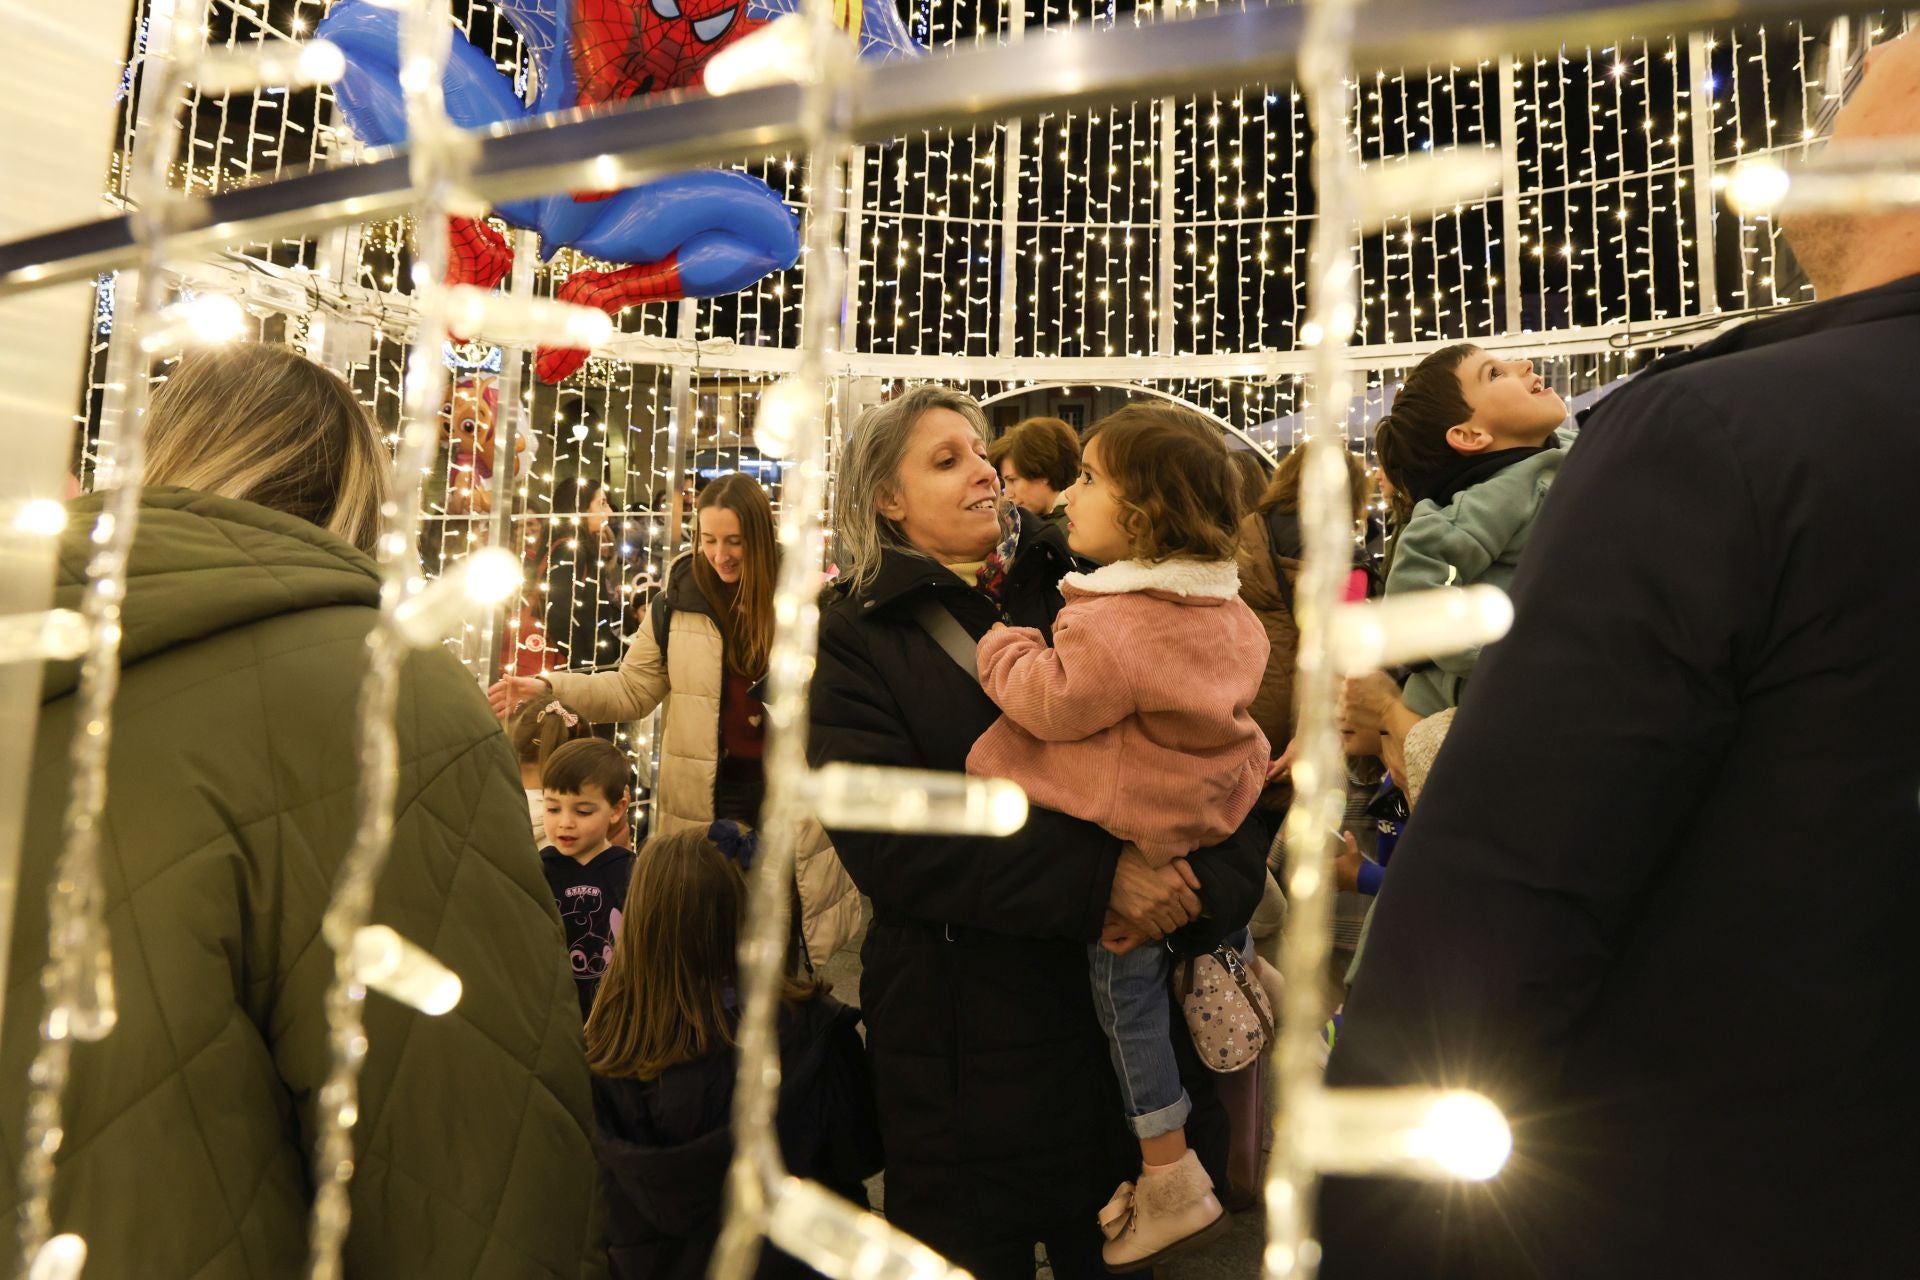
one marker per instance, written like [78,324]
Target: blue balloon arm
[650,221]
[369,92]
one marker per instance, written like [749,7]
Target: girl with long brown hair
[701,653]
[661,1045]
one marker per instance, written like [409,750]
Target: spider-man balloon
[691,235]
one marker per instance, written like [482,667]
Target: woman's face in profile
[946,496]
[598,511]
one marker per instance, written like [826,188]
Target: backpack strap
[948,634]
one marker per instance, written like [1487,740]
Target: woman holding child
[1002,1119]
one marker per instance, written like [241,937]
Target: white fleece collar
[1219,579]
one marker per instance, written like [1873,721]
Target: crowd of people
[1641,868]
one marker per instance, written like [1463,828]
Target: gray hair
[870,470]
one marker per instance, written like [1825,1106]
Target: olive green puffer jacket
[231,804]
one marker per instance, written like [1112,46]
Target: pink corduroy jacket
[1136,718]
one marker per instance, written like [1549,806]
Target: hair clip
[555,709]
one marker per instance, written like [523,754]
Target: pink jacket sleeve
[1062,694]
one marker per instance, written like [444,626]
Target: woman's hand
[1154,902]
[1365,700]
[510,691]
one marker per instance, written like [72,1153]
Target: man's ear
[1467,438]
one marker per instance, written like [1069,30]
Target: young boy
[584,789]
[1470,450]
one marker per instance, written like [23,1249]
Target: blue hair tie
[738,844]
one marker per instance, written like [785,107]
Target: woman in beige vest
[701,652]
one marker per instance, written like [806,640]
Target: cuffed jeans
[1130,995]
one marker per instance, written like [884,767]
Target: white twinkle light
[481,580]
[523,320]
[384,961]
[206,320]
[291,63]
[1407,1132]
[60,1258]
[1421,185]
[57,635]
[873,798]
[785,408]
[1422,624]
[1757,186]
[839,1240]
[40,518]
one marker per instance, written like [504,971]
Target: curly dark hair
[1179,495]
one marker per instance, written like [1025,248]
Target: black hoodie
[664,1145]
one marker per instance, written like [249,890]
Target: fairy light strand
[436,168]
[77,979]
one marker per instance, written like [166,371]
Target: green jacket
[231,804]
[1478,537]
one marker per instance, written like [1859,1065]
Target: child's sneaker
[1165,1213]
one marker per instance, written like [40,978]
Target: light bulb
[60,1258]
[790,406]
[873,798]
[479,581]
[40,517]
[271,62]
[384,961]
[206,320]
[1421,624]
[1756,186]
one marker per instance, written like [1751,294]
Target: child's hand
[998,626]
[1283,766]
[1118,936]
[1346,865]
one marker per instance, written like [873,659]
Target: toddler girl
[539,729]
[1137,719]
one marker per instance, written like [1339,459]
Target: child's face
[1093,512]
[579,822]
[1513,407]
[1360,743]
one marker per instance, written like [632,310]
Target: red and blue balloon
[698,234]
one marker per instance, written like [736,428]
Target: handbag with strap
[1226,1008]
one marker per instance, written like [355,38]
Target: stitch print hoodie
[1136,718]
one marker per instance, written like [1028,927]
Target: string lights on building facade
[1170,237]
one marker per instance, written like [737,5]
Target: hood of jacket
[1191,581]
[203,564]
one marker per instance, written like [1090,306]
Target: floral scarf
[991,578]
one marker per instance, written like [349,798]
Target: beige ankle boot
[1163,1214]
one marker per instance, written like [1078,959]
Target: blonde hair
[259,423]
[870,470]
[746,621]
[663,1000]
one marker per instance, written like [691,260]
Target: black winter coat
[1658,897]
[664,1145]
[1000,1115]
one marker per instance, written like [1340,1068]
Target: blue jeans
[1130,995]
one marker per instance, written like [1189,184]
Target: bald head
[1848,252]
